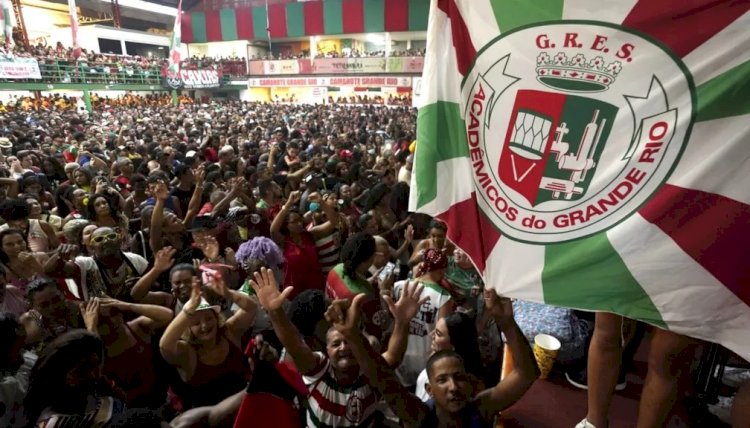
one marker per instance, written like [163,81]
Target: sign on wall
[194,79]
[374,81]
[368,65]
[19,68]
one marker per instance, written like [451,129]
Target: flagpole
[175,57]
[268,28]
[73,14]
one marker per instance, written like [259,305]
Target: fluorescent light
[146,6]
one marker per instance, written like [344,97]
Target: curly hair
[260,248]
[91,207]
[359,248]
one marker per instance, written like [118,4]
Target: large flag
[174,44]
[73,14]
[6,22]
[594,154]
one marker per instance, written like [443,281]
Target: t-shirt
[334,405]
[94,285]
[13,388]
[340,286]
[418,347]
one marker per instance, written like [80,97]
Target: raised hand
[209,246]
[344,315]
[501,308]
[67,251]
[237,185]
[195,296]
[216,282]
[164,259]
[409,233]
[293,198]
[408,303]
[200,175]
[267,290]
[90,313]
[160,191]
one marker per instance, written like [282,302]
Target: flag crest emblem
[573,128]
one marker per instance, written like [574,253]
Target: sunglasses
[107,237]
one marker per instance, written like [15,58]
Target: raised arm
[244,318]
[513,386]
[163,261]
[150,317]
[172,349]
[410,409]
[280,218]
[237,184]
[194,205]
[333,220]
[417,255]
[404,248]
[271,300]
[403,311]
[161,193]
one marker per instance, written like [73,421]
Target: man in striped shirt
[340,396]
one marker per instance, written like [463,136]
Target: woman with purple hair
[253,255]
[257,253]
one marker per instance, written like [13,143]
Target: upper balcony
[47,74]
[410,65]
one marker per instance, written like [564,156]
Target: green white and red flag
[6,22]
[175,57]
[73,15]
[593,154]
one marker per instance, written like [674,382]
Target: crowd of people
[349,53]
[390,100]
[58,64]
[62,102]
[229,65]
[245,264]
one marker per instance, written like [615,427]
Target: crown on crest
[576,74]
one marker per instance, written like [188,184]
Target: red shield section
[526,149]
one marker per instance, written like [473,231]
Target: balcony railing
[328,66]
[59,72]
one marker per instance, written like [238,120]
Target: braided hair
[358,249]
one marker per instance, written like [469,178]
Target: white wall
[255,50]
[88,36]
[236,48]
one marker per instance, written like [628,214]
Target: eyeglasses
[101,238]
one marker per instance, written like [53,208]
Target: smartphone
[387,271]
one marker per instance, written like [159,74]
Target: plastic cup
[546,348]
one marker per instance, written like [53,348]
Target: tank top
[133,372]
[329,250]
[418,345]
[36,237]
[302,268]
[211,384]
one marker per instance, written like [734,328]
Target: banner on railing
[288,66]
[19,68]
[362,81]
[349,65]
[368,65]
[194,79]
